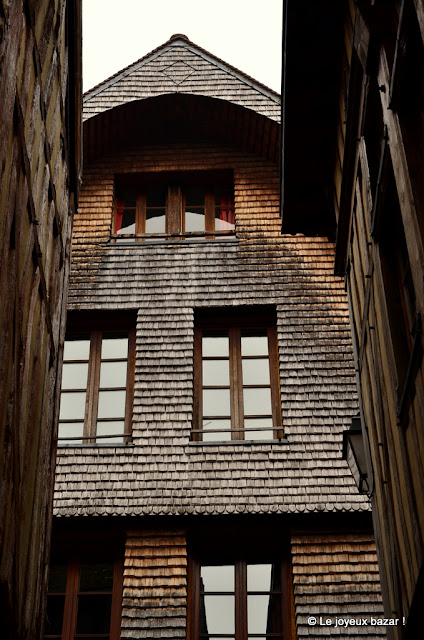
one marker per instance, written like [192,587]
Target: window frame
[175,204]
[117,325]
[235,322]
[238,552]
[72,591]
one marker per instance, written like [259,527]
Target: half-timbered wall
[39,125]
[383,254]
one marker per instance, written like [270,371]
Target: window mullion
[209,211]
[92,400]
[174,208]
[129,395]
[116,606]
[198,384]
[241,600]
[71,600]
[140,214]
[236,384]
[275,380]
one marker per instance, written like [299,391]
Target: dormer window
[157,206]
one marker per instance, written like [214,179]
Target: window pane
[74,375]
[111,404]
[258,423]
[113,374]
[54,615]
[224,219]
[110,428]
[156,198]
[216,372]
[254,345]
[128,222]
[195,196]
[264,614]
[215,346]
[257,613]
[219,614]
[93,613]
[257,402]
[259,577]
[114,348]
[76,350]
[155,220]
[217,578]
[216,402]
[255,371]
[195,220]
[72,405]
[71,430]
[218,436]
[58,574]
[96,576]
[128,195]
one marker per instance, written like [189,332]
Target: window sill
[173,238]
[237,443]
[96,445]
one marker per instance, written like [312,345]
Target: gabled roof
[180,66]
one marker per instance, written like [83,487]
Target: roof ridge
[173,40]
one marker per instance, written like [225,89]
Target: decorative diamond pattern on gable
[178,72]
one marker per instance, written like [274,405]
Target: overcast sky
[244,33]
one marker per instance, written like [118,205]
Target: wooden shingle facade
[40,164]
[226,487]
[375,160]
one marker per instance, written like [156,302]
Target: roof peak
[179,36]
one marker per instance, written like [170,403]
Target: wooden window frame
[175,203]
[240,560]
[71,598]
[235,323]
[117,325]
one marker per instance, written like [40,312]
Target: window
[84,599]
[97,385]
[236,377]
[158,205]
[239,597]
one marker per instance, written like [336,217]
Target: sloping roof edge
[182,40]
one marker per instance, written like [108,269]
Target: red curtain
[226,214]
[119,215]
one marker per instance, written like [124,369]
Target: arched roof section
[181,67]
[180,117]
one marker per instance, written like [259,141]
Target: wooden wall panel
[392,399]
[336,576]
[155,585]
[37,199]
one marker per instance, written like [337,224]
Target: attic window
[158,206]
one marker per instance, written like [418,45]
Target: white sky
[244,33]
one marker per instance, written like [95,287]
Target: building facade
[40,149]
[375,192]
[208,377]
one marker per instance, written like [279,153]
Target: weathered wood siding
[164,472]
[38,130]
[388,149]
[155,585]
[336,577]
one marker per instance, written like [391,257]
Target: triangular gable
[180,66]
